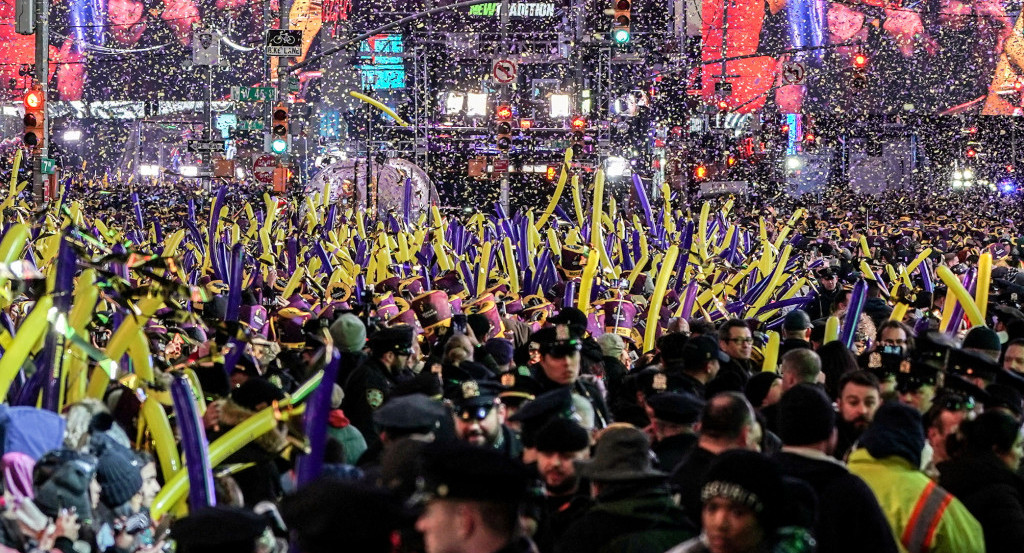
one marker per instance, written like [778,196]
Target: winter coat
[993,494]
[849,517]
[631,518]
[923,516]
[351,440]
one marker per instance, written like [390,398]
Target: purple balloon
[194,445]
[318,408]
[857,299]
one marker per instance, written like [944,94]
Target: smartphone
[459,323]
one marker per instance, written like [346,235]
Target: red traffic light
[809,137]
[504,112]
[578,123]
[550,174]
[34,99]
[784,129]
[860,61]
[723,105]
[700,172]
[730,160]
[971,152]
[526,124]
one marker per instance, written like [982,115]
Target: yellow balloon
[831,329]
[563,176]
[953,284]
[119,342]
[587,281]
[982,283]
[31,330]
[668,265]
[771,352]
[163,438]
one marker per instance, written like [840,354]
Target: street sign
[263,168]
[504,71]
[284,43]
[253,94]
[200,146]
[250,125]
[500,166]
[794,72]
[723,87]
[47,166]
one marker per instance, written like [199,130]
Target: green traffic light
[620,36]
[279,146]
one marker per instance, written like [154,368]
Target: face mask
[895,350]
[1003,336]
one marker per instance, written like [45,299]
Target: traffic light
[723,105]
[579,135]
[620,27]
[503,129]
[971,152]
[860,70]
[551,172]
[700,172]
[35,118]
[279,130]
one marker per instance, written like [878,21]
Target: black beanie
[562,436]
[806,416]
[749,478]
[896,431]
[118,473]
[758,387]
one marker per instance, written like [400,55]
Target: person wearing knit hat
[501,351]
[807,429]
[220,530]
[889,462]
[119,475]
[744,498]
[615,360]
[983,340]
[560,443]
[764,389]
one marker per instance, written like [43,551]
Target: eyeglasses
[740,340]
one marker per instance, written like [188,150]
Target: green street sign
[250,125]
[293,84]
[253,94]
[47,166]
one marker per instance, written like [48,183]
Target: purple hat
[413,285]
[451,283]
[619,316]
[572,260]
[432,309]
[387,311]
[254,316]
[595,323]
[489,310]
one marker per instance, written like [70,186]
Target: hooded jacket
[849,517]
[630,518]
[993,494]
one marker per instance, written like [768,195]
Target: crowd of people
[221,372]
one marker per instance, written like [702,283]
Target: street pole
[282,75]
[42,78]
[505,96]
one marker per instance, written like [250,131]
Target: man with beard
[480,418]
[859,398]
[560,444]
[371,384]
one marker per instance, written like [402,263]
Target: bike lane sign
[284,43]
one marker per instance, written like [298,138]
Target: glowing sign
[379,70]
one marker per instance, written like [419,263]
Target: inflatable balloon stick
[29,334]
[983,282]
[660,287]
[563,176]
[378,105]
[954,285]
[155,419]
[771,352]
[193,444]
[856,307]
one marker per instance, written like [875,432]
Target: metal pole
[282,73]
[503,187]
[42,77]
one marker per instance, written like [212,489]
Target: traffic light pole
[42,78]
[503,187]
